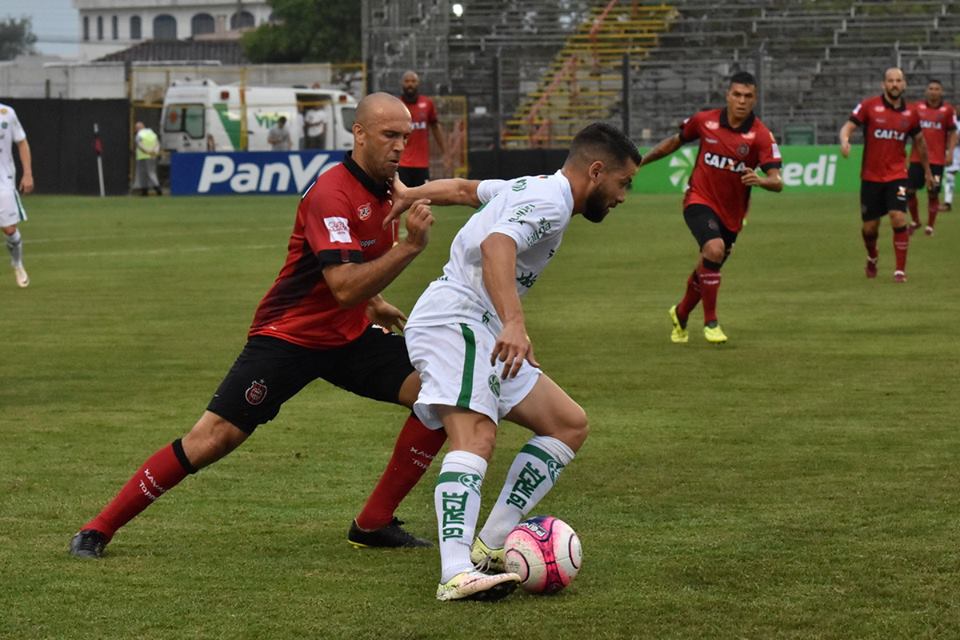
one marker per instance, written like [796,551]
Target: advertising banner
[805,169]
[253,172]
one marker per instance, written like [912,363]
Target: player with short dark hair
[733,144]
[324,318]
[938,119]
[415,161]
[468,339]
[887,122]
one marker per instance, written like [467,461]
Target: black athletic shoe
[392,535]
[88,544]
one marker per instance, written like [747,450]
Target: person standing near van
[147,150]
[279,135]
[415,162]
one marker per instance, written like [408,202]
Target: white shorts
[11,210]
[455,371]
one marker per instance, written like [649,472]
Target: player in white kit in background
[11,209]
[467,338]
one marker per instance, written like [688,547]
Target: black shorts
[270,371]
[413,176]
[705,225]
[916,180]
[877,199]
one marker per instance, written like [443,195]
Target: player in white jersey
[467,338]
[949,181]
[11,209]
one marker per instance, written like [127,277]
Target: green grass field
[799,482]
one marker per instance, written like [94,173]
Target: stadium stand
[534,71]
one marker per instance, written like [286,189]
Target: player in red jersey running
[322,318]
[415,161]
[938,119]
[887,122]
[733,143]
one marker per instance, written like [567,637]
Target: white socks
[457,501]
[15,247]
[532,474]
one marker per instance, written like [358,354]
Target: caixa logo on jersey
[256,172]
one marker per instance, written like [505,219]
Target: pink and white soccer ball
[545,552]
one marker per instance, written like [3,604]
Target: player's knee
[210,439]
[575,427]
[713,251]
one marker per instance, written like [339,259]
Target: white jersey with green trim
[534,211]
[10,132]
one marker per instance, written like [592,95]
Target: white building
[107,26]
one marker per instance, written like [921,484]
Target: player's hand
[750,178]
[419,221]
[26,184]
[400,194]
[513,346]
[386,315]
[931,181]
[845,148]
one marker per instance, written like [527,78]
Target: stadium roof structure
[224,51]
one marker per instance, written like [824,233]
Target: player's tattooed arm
[921,145]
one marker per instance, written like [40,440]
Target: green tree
[16,37]
[307,31]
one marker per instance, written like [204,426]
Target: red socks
[913,206]
[933,208]
[161,472]
[690,298]
[709,274]
[901,240]
[415,449]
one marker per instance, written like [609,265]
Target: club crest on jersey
[712,125]
[743,149]
[363,211]
[879,108]
[256,392]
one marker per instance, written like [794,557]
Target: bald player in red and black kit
[415,161]
[323,318]
[733,143]
[887,122]
[938,119]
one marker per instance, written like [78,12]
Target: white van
[201,115]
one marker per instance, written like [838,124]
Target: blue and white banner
[252,172]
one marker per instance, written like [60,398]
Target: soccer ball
[545,552]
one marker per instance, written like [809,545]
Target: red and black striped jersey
[885,132]
[725,152]
[339,220]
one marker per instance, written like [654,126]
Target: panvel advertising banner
[252,172]
[806,169]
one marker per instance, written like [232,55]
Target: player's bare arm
[439,192]
[845,132]
[772,181]
[26,161]
[951,145]
[513,345]
[663,148]
[353,284]
[381,312]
